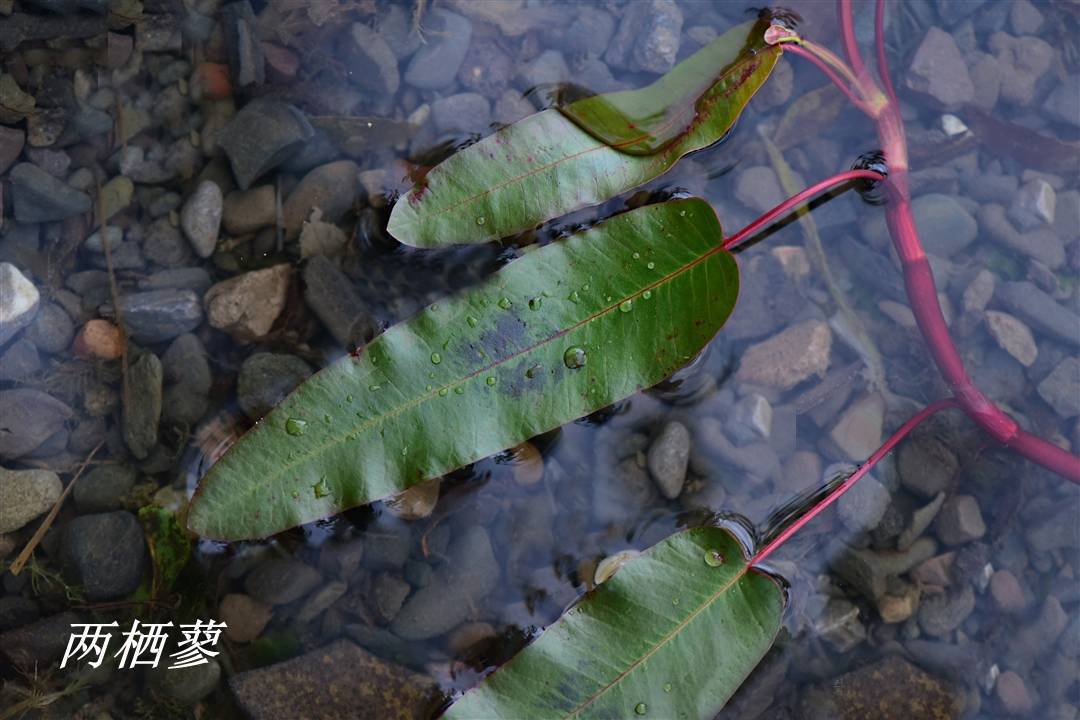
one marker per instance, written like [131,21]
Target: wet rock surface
[891,688]
[470,574]
[330,682]
[26,494]
[105,553]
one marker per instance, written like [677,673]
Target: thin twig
[24,556]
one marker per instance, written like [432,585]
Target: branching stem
[883,108]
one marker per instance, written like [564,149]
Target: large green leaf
[672,635]
[557,334]
[557,161]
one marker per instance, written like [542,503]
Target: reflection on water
[951,572]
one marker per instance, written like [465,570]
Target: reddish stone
[101,339]
[212,80]
[282,64]
[1007,593]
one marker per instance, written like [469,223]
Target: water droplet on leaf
[373,388]
[574,357]
[321,488]
[481,220]
[295,426]
[436,358]
[626,306]
[535,303]
[504,303]
[490,380]
[459,390]
[443,392]
[651,265]
[646,295]
[713,558]
[667,687]
[532,372]
[574,297]
[641,708]
[471,320]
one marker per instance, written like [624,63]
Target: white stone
[18,301]
[750,420]
[201,217]
[952,125]
[1034,206]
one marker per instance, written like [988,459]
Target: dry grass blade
[24,556]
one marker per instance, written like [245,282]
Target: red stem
[847,36]
[829,73]
[918,280]
[862,470]
[879,44]
[798,199]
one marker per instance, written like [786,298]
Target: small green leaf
[558,161]
[671,635]
[373,424]
[170,547]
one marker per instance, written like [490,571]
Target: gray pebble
[19,361]
[105,553]
[158,315]
[142,412]
[941,614]
[960,520]
[279,581]
[264,134]
[436,63]
[52,329]
[1061,388]
[201,217]
[39,197]
[187,685]
[104,488]
[470,574]
[1040,310]
[668,457]
[30,417]
[26,494]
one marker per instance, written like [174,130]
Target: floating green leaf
[558,161]
[672,635]
[648,120]
[375,423]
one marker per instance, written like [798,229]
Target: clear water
[553,514]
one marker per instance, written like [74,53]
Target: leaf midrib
[667,638]
[419,400]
